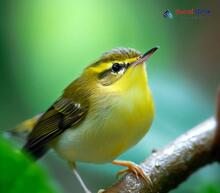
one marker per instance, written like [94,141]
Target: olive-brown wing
[62,115]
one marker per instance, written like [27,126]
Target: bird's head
[119,69]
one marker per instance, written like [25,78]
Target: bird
[105,111]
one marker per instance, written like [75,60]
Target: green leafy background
[44,45]
[19,174]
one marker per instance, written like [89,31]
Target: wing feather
[63,114]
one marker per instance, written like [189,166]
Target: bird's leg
[136,169]
[73,167]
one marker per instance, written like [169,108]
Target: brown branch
[172,165]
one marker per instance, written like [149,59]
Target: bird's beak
[145,56]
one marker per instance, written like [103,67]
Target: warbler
[101,114]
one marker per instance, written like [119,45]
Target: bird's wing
[62,115]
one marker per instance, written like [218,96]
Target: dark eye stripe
[104,73]
[108,71]
[127,65]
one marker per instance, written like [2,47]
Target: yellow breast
[133,117]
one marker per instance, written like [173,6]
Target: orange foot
[132,167]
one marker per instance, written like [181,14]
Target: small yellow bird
[101,114]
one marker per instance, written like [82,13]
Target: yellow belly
[110,131]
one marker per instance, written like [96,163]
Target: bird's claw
[132,167]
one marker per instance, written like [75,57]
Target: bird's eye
[116,67]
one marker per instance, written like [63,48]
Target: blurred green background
[45,44]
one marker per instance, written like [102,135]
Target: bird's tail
[25,127]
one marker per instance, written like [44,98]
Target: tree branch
[172,165]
